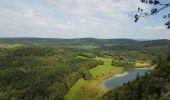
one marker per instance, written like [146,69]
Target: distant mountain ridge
[85,41]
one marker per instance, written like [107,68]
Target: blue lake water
[118,81]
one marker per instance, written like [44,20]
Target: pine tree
[168,58]
[116,96]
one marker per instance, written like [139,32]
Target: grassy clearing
[4,45]
[74,89]
[82,57]
[88,89]
[105,68]
[91,89]
[142,64]
[84,47]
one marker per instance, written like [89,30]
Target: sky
[79,19]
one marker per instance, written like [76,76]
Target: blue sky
[78,19]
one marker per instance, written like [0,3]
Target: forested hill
[40,72]
[85,41]
[30,70]
[153,86]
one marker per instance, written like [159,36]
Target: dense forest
[152,86]
[46,69]
[38,72]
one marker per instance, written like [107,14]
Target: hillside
[85,41]
[40,69]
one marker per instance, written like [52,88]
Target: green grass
[4,45]
[84,46]
[74,89]
[82,57]
[99,70]
[105,68]
[143,64]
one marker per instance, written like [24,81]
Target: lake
[118,81]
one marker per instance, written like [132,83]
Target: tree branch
[154,11]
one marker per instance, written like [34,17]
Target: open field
[105,68]
[91,89]
[142,64]
[84,47]
[82,57]
[4,45]
[74,89]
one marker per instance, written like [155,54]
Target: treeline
[141,50]
[122,63]
[87,54]
[40,72]
[153,86]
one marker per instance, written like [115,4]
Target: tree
[168,58]
[87,75]
[157,7]
[116,96]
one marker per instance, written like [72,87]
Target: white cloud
[156,28]
[28,13]
[67,18]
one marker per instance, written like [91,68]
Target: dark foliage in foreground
[157,6]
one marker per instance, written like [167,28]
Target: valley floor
[94,89]
[91,89]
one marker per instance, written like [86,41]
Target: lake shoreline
[102,84]
[142,68]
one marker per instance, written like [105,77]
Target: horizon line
[79,38]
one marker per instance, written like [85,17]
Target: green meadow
[105,68]
[74,89]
